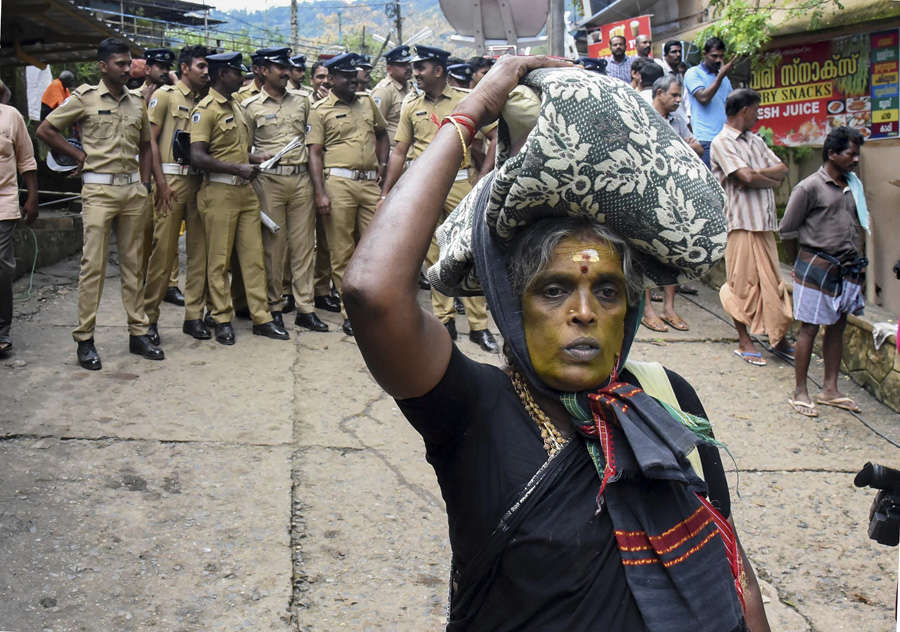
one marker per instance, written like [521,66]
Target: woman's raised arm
[406,348]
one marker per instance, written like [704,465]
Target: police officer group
[198,152]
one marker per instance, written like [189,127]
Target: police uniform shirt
[220,122]
[273,123]
[346,131]
[112,130]
[421,117]
[305,91]
[170,109]
[245,92]
[389,95]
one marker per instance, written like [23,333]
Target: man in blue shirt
[618,64]
[709,87]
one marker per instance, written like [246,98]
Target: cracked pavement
[273,486]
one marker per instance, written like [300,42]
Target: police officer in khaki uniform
[220,145]
[459,75]
[114,131]
[298,77]
[253,87]
[363,72]
[275,116]
[170,113]
[419,121]
[390,91]
[348,148]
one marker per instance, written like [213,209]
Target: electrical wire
[859,417]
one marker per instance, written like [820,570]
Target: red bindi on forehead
[584,269]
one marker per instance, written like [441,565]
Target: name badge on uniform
[104,111]
[337,116]
[421,113]
[229,119]
[184,108]
[269,117]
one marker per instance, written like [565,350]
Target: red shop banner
[808,90]
[598,40]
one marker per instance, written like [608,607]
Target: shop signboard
[598,40]
[809,89]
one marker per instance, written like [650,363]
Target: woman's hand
[486,101]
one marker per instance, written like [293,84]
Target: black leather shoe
[243,312]
[224,333]
[310,321]
[458,306]
[153,334]
[289,304]
[270,330]
[278,319]
[347,328]
[209,321]
[142,346]
[88,357]
[197,329]
[174,296]
[328,303]
[484,339]
[451,327]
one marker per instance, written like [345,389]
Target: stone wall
[58,235]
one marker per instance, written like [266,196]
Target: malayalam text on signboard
[809,89]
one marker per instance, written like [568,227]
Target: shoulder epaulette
[249,100]
[205,101]
[83,89]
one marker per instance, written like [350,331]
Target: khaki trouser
[173,275]
[322,267]
[164,252]
[102,205]
[442,305]
[230,217]
[352,208]
[289,202]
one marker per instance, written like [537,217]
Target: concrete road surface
[273,486]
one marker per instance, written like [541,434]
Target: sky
[259,5]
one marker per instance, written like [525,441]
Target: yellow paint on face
[573,313]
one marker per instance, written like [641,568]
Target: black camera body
[884,516]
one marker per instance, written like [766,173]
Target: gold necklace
[553,439]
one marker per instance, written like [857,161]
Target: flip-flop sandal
[844,403]
[679,324]
[804,408]
[652,327]
[5,348]
[750,357]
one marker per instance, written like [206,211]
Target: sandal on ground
[804,408]
[750,357]
[654,327]
[844,403]
[5,348]
[675,323]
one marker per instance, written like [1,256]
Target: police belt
[227,178]
[174,169]
[284,170]
[462,174]
[118,179]
[352,174]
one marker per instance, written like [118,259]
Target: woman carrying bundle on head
[575,499]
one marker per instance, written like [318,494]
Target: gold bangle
[462,140]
